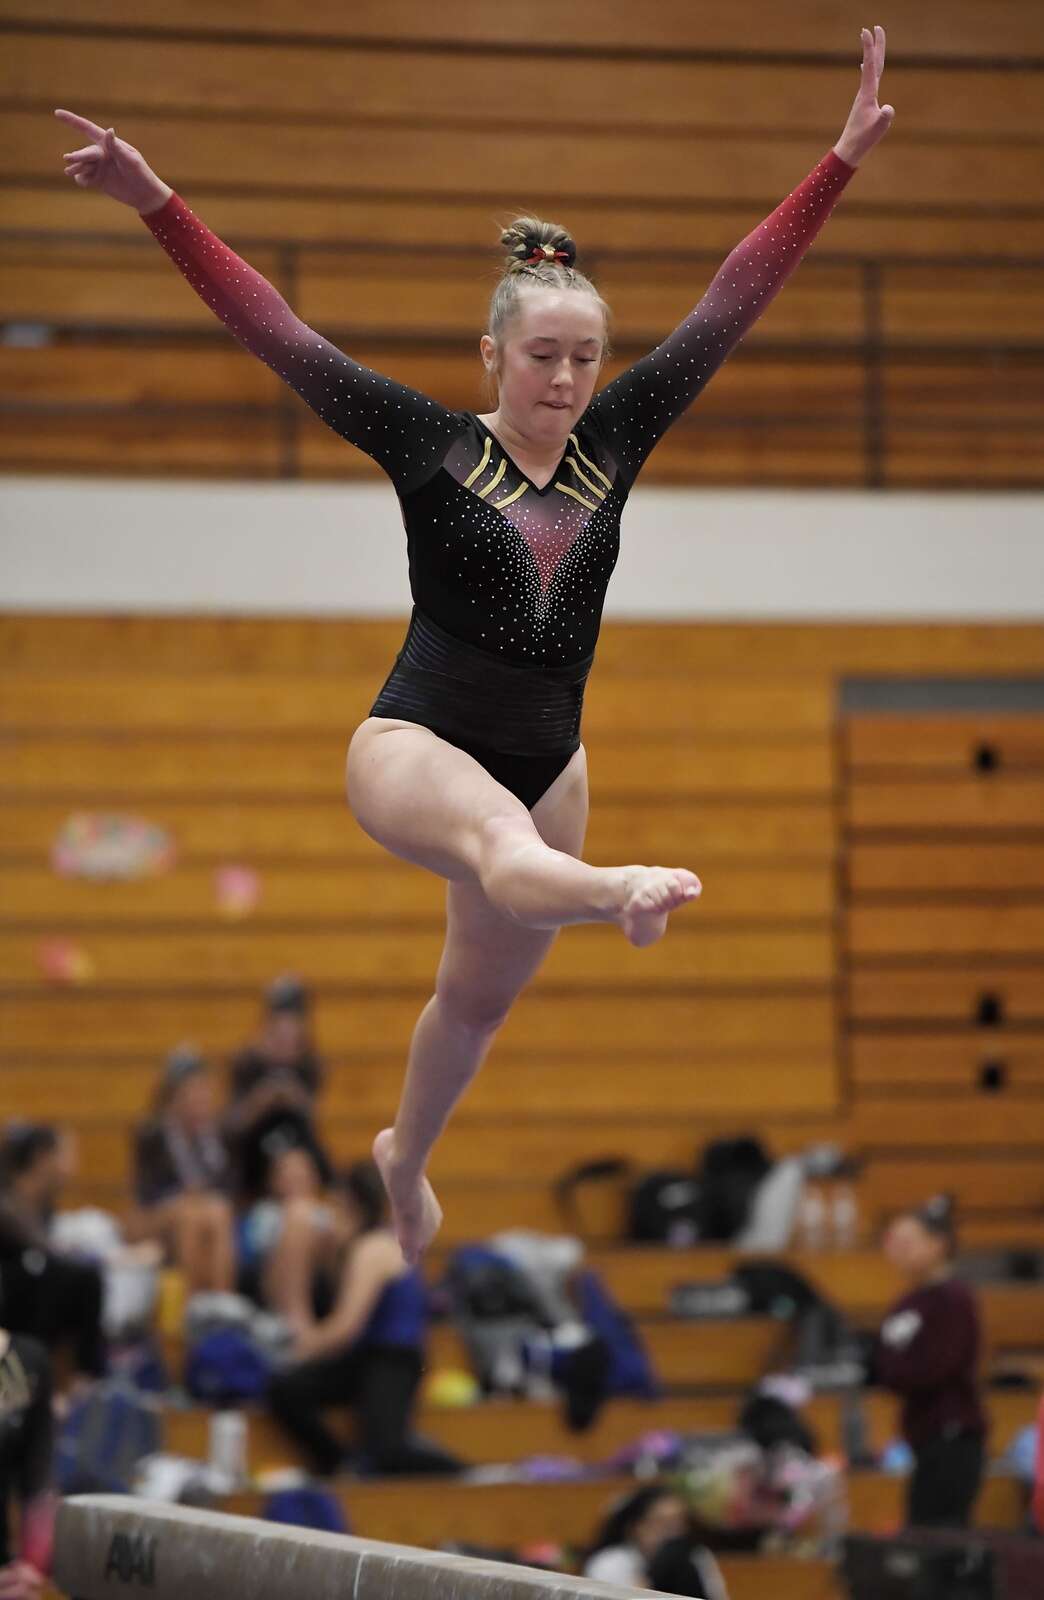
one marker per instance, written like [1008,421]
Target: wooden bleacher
[513,1430]
[730,1356]
[169,719]
[514,1513]
[190,721]
[921,291]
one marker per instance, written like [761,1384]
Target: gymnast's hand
[113,166]
[867,121]
[20,1581]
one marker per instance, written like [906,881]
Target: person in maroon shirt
[928,1352]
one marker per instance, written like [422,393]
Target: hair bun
[531,244]
[534,246]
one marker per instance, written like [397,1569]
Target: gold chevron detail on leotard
[575,442]
[491,485]
[592,505]
[483,464]
[511,497]
[585,480]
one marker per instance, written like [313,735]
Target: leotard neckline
[550,484]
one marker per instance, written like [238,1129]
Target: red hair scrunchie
[540,253]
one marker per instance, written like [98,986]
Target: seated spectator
[288,1241]
[652,1529]
[273,1085]
[43,1293]
[928,1352]
[366,1352]
[681,1567]
[183,1174]
[26,1441]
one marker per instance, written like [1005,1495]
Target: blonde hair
[520,238]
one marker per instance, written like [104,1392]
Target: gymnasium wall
[70,544]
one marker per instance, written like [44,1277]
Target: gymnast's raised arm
[638,407]
[403,430]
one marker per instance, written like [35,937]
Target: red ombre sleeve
[404,431]
[637,408]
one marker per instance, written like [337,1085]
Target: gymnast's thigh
[487,959]
[424,799]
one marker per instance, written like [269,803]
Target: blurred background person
[183,1176]
[273,1085]
[928,1352]
[653,1524]
[43,1292]
[365,1351]
[288,1241]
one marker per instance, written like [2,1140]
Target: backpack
[103,1438]
[307,1507]
[771,1422]
[630,1371]
[729,1175]
[828,1351]
[485,1285]
[226,1365]
[665,1208]
[495,1310]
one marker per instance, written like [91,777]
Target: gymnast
[470,763]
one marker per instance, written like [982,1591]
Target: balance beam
[115,1545]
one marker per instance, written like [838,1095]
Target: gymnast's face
[548,362]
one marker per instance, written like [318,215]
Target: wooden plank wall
[943,960]
[339,152]
[806,996]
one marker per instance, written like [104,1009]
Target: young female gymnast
[471,763]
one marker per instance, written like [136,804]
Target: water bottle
[845,1218]
[228,1447]
[812,1217]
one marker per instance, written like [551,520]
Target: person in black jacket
[928,1352]
[43,1293]
[273,1083]
[183,1176]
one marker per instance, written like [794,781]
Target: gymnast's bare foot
[416,1214]
[650,894]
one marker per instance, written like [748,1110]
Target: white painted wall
[87,544]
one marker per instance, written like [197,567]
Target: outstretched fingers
[879,48]
[873,60]
[879,58]
[82,125]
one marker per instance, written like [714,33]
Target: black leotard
[508,580]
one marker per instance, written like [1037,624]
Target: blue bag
[630,1370]
[103,1438]
[225,1366]
[306,1508]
